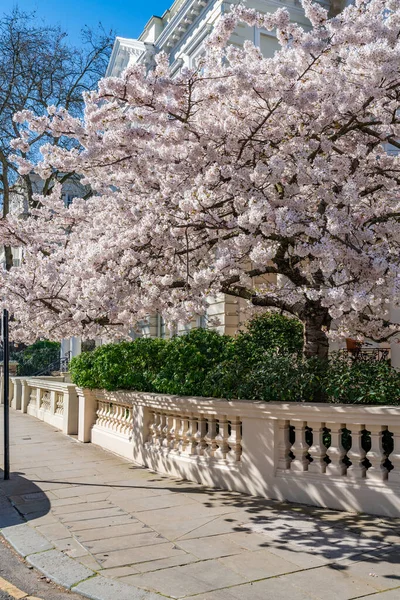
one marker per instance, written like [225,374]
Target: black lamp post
[6,374]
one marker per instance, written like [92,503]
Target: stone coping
[326,412]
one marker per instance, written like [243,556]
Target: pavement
[109,530]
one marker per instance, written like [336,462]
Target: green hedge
[264,363]
[122,366]
[37,357]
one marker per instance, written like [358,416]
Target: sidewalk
[112,531]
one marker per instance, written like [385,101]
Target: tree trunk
[8,258]
[317,322]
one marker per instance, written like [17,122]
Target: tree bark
[8,258]
[317,322]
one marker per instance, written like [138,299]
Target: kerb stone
[60,568]
[26,540]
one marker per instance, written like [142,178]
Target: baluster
[201,443]
[111,415]
[234,440]
[98,412]
[336,451]
[181,435]
[32,397]
[284,459]
[300,447]
[190,435]
[174,433]
[160,429]
[210,437]
[376,455]
[167,437]
[222,439]
[155,426]
[356,454]
[152,427]
[129,419]
[317,450]
[103,415]
[123,422]
[394,475]
[118,418]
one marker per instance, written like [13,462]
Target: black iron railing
[61,364]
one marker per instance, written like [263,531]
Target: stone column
[70,424]
[87,414]
[76,346]
[25,395]
[65,347]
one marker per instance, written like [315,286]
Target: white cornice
[180,23]
[123,50]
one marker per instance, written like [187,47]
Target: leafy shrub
[266,334]
[37,357]
[276,378]
[81,369]
[188,359]
[367,382]
[121,366]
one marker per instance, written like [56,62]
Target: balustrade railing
[211,436]
[115,417]
[350,451]
[48,399]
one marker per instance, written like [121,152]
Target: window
[68,199]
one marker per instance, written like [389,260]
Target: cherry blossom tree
[268,179]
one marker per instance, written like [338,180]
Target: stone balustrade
[48,399]
[113,424]
[345,457]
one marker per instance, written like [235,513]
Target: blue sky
[126,17]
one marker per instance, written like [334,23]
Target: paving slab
[392,595]
[126,542]
[210,547]
[131,556]
[174,530]
[80,507]
[105,522]
[328,583]
[111,532]
[189,580]
[166,563]
[259,564]
[116,572]
[85,515]
[101,588]
[53,531]
[380,569]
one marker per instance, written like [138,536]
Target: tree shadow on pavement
[20,500]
